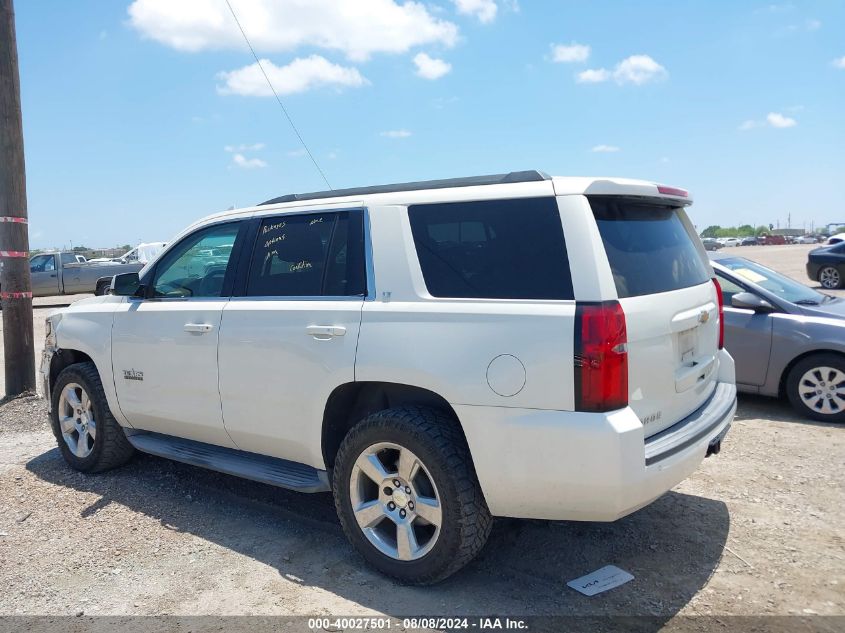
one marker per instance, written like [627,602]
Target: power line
[275,94]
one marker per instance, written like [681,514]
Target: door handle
[198,327]
[325,332]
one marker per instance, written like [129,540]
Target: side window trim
[150,277]
[244,263]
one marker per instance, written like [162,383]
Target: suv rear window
[492,249]
[649,248]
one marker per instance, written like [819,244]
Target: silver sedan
[787,339]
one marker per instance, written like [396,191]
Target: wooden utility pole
[15,282]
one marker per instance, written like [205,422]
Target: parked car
[749,241]
[772,240]
[711,244]
[61,273]
[836,239]
[806,239]
[731,241]
[433,353]
[827,265]
[787,339]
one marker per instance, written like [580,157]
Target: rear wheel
[89,437]
[407,495]
[102,288]
[830,278]
[816,387]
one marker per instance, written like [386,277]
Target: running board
[261,468]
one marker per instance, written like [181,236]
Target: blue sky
[140,117]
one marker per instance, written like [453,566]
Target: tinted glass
[497,249]
[196,267]
[648,246]
[68,258]
[308,256]
[729,289]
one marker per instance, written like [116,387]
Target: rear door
[288,336]
[666,290]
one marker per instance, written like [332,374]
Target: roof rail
[446,183]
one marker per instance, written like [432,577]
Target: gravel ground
[756,530]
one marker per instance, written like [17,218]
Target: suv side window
[196,267]
[312,255]
[492,249]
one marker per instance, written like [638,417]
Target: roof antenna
[275,94]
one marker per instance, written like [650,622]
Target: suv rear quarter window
[492,249]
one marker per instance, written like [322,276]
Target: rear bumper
[583,466]
[813,271]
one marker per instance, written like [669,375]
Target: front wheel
[816,387]
[407,496]
[830,278]
[89,437]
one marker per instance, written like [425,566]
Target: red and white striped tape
[15,295]
[14,219]
[13,254]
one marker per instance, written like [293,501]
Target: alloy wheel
[829,277]
[76,420]
[395,501]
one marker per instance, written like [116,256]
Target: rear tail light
[721,301]
[672,191]
[601,357]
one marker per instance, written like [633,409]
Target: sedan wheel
[76,420]
[830,278]
[823,389]
[816,387]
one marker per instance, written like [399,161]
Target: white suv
[435,353]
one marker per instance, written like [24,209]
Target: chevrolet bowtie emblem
[703,316]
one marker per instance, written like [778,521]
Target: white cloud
[243,162]
[358,28]
[773,119]
[813,24]
[638,69]
[300,75]
[776,119]
[839,62]
[395,134]
[605,149]
[484,10]
[593,76]
[431,67]
[296,153]
[566,53]
[244,147]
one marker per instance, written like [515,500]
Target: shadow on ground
[671,546]
[754,407]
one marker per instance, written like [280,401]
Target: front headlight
[50,328]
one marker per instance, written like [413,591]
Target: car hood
[832,309]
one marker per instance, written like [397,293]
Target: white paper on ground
[600,580]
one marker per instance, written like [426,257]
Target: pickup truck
[61,273]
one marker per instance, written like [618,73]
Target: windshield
[777,284]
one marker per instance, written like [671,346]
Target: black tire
[794,387]
[110,447]
[436,439]
[102,288]
[828,281]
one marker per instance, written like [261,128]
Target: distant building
[788,232]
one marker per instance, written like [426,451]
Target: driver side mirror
[750,301]
[126,285]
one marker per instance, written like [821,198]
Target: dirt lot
[757,530]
